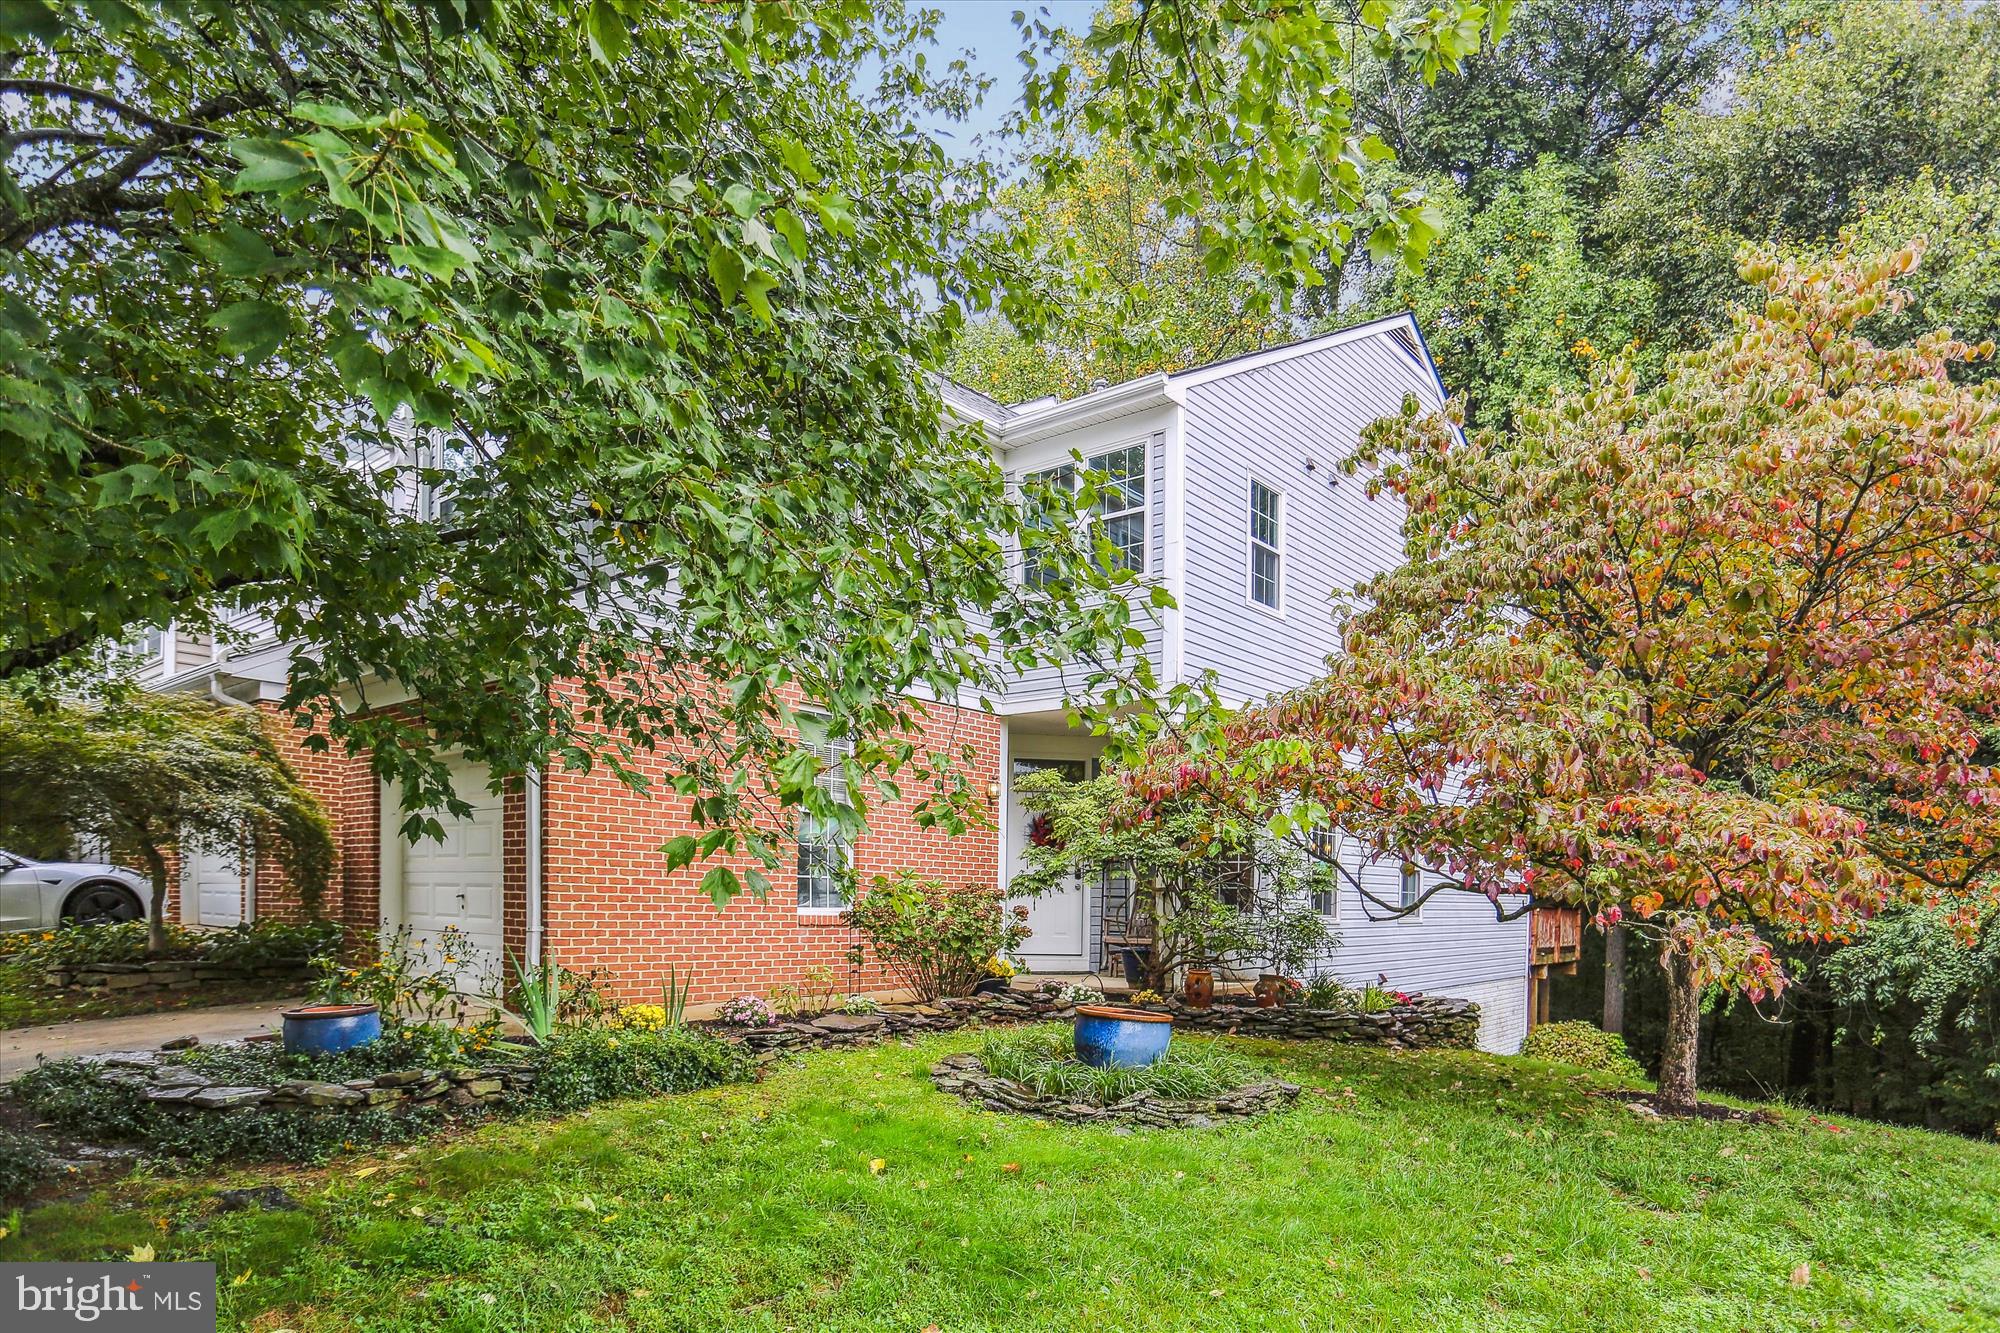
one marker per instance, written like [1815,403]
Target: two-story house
[1223,488]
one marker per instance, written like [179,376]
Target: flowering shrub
[397,977]
[643,1017]
[747,1011]
[1004,968]
[1069,992]
[938,940]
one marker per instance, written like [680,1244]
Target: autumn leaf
[876,1166]
[1802,1275]
[140,1254]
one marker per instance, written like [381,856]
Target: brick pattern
[608,903]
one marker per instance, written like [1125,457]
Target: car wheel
[100,905]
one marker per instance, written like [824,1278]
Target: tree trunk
[1682,1046]
[156,911]
[1614,980]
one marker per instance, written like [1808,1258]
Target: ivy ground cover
[1444,1190]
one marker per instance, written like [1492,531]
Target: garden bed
[1033,1072]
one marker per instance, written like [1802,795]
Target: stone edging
[166,974]
[966,1076]
[1425,1022]
[177,1086]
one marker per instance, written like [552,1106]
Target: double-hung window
[824,853]
[1267,511]
[1324,863]
[1119,508]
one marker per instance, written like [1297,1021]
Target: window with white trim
[1412,886]
[1119,508]
[824,852]
[1325,845]
[1267,509]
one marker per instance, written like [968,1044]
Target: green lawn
[1444,1191]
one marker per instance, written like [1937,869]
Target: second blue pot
[1110,1037]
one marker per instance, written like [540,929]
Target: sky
[985,28]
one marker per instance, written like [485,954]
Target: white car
[41,895]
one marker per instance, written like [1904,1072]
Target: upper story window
[1119,508]
[1267,509]
[824,852]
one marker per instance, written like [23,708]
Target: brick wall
[349,790]
[608,901]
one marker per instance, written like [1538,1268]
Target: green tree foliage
[1510,300]
[1148,299]
[660,284]
[1958,284]
[1661,655]
[1205,891]
[163,774]
[1575,79]
[1835,103]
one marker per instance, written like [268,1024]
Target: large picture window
[1119,509]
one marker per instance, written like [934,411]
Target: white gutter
[534,859]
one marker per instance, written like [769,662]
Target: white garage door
[212,886]
[457,883]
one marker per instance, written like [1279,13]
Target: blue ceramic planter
[1110,1037]
[326,1029]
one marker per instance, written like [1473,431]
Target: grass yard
[1441,1191]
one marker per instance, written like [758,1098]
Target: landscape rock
[228,1099]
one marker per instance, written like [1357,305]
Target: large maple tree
[1713,659]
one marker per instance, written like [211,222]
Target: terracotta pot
[1269,990]
[1199,989]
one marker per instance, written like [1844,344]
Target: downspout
[534,859]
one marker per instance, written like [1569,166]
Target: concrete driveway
[20,1047]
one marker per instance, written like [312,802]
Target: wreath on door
[1042,830]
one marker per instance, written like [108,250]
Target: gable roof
[1030,421]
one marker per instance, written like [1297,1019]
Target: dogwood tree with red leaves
[1713,658]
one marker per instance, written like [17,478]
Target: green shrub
[938,939]
[252,944]
[72,1096]
[1582,1045]
[269,943]
[24,1163]
[1044,1058]
[585,1065]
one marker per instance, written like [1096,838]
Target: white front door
[458,883]
[1060,918]
[212,886]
